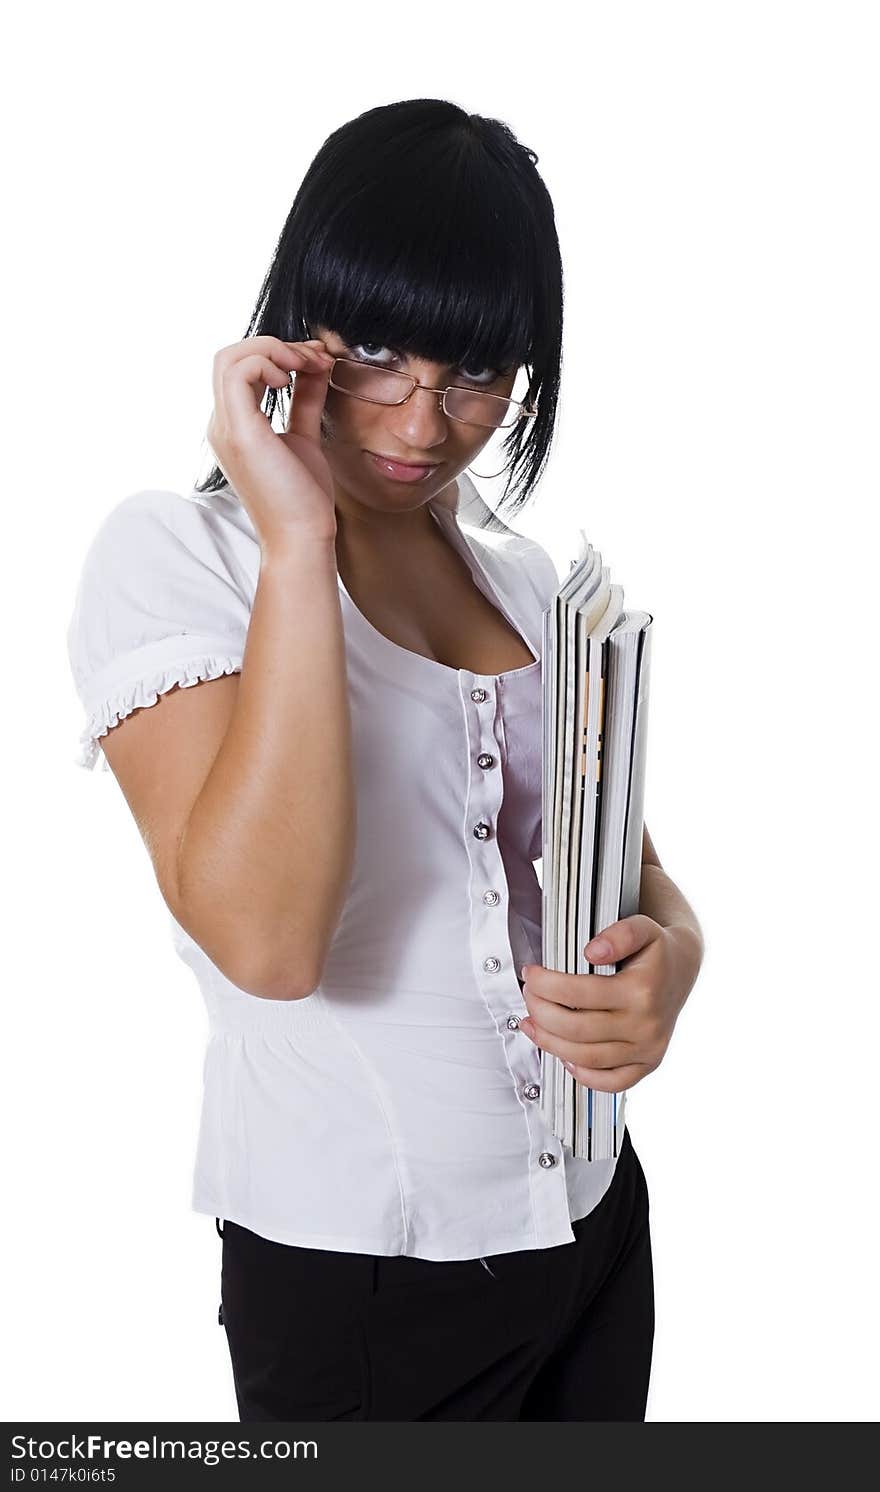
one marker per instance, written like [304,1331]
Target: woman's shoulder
[155,538]
[522,561]
[537,567]
[160,516]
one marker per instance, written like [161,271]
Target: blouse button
[482,831]
[546,1159]
[478,695]
[485,760]
[491,898]
[513,1023]
[531,1091]
[491,965]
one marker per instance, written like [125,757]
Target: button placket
[492,948]
[485,796]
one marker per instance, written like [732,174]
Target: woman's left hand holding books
[611,1030]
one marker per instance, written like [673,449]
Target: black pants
[561,1333]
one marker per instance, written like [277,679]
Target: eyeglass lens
[384,386]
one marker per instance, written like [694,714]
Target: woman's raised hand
[283,480]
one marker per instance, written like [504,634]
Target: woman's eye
[485,375]
[357,347]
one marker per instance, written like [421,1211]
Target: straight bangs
[436,265]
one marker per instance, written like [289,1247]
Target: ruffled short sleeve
[162,599]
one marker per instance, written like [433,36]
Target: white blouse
[395,1109]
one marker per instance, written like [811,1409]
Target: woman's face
[417,432]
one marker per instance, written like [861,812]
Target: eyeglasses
[385,386]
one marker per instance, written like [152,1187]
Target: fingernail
[600,947]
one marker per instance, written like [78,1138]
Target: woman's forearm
[268,849]
[661,900]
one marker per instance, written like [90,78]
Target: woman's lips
[398,471]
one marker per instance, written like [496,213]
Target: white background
[714,172]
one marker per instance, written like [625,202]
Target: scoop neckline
[450,523]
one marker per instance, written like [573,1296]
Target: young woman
[344,818]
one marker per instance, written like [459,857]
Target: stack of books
[595,708]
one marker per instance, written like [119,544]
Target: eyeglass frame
[523,412]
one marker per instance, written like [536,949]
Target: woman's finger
[243,388]
[308,398]
[600,1054]
[285,355]
[615,1080]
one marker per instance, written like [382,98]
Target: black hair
[429,230]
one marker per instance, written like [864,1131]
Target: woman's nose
[421,417]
